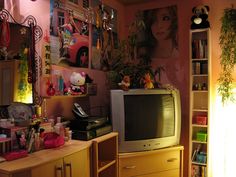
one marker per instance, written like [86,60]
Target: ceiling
[132,1]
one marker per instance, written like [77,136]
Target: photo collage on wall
[69,34]
[70,26]
[104,36]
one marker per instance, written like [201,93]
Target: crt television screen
[149,116]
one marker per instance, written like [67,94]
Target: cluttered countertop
[43,156]
[32,140]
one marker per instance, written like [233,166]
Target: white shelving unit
[199,101]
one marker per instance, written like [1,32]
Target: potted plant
[228,55]
[125,59]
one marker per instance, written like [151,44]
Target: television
[146,119]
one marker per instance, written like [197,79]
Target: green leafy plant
[125,60]
[124,65]
[228,55]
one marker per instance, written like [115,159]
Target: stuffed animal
[125,83]
[200,17]
[77,81]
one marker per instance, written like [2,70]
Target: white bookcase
[199,101]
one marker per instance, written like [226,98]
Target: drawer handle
[172,160]
[59,169]
[130,167]
[70,167]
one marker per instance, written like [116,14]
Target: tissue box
[201,136]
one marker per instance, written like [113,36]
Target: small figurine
[50,90]
[147,81]
[23,141]
[125,83]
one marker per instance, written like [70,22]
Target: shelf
[200,110]
[105,153]
[197,163]
[199,91]
[65,96]
[199,59]
[198,125]
[199,75]
[201,142]
[200,62]
[102,165]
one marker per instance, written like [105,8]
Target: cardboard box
[202,136]
[201,120]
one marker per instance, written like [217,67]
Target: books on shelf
[199,67]
[198,171]
[199,48]
[195,152]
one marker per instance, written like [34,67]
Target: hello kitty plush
[77,81]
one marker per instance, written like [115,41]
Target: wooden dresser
[166,162]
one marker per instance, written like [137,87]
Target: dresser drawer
[140,164]
[169,173]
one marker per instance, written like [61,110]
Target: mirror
[20,65]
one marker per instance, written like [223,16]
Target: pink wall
[177,69]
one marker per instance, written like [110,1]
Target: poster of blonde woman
[161,29]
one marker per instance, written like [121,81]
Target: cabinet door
[77,164]
[52,169]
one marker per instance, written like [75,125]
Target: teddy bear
[77,81]
[200,17]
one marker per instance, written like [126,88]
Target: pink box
[201,119]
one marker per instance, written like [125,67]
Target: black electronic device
[79,112]
[88,124]
[90,134]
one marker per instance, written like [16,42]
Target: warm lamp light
[222,138]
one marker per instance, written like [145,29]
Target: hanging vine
[228,55]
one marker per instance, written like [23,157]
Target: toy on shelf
[77,81]
[199,18]
[147,81]
[125,83]
[50,89]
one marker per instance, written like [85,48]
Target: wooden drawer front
[169,173]
[138,165]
